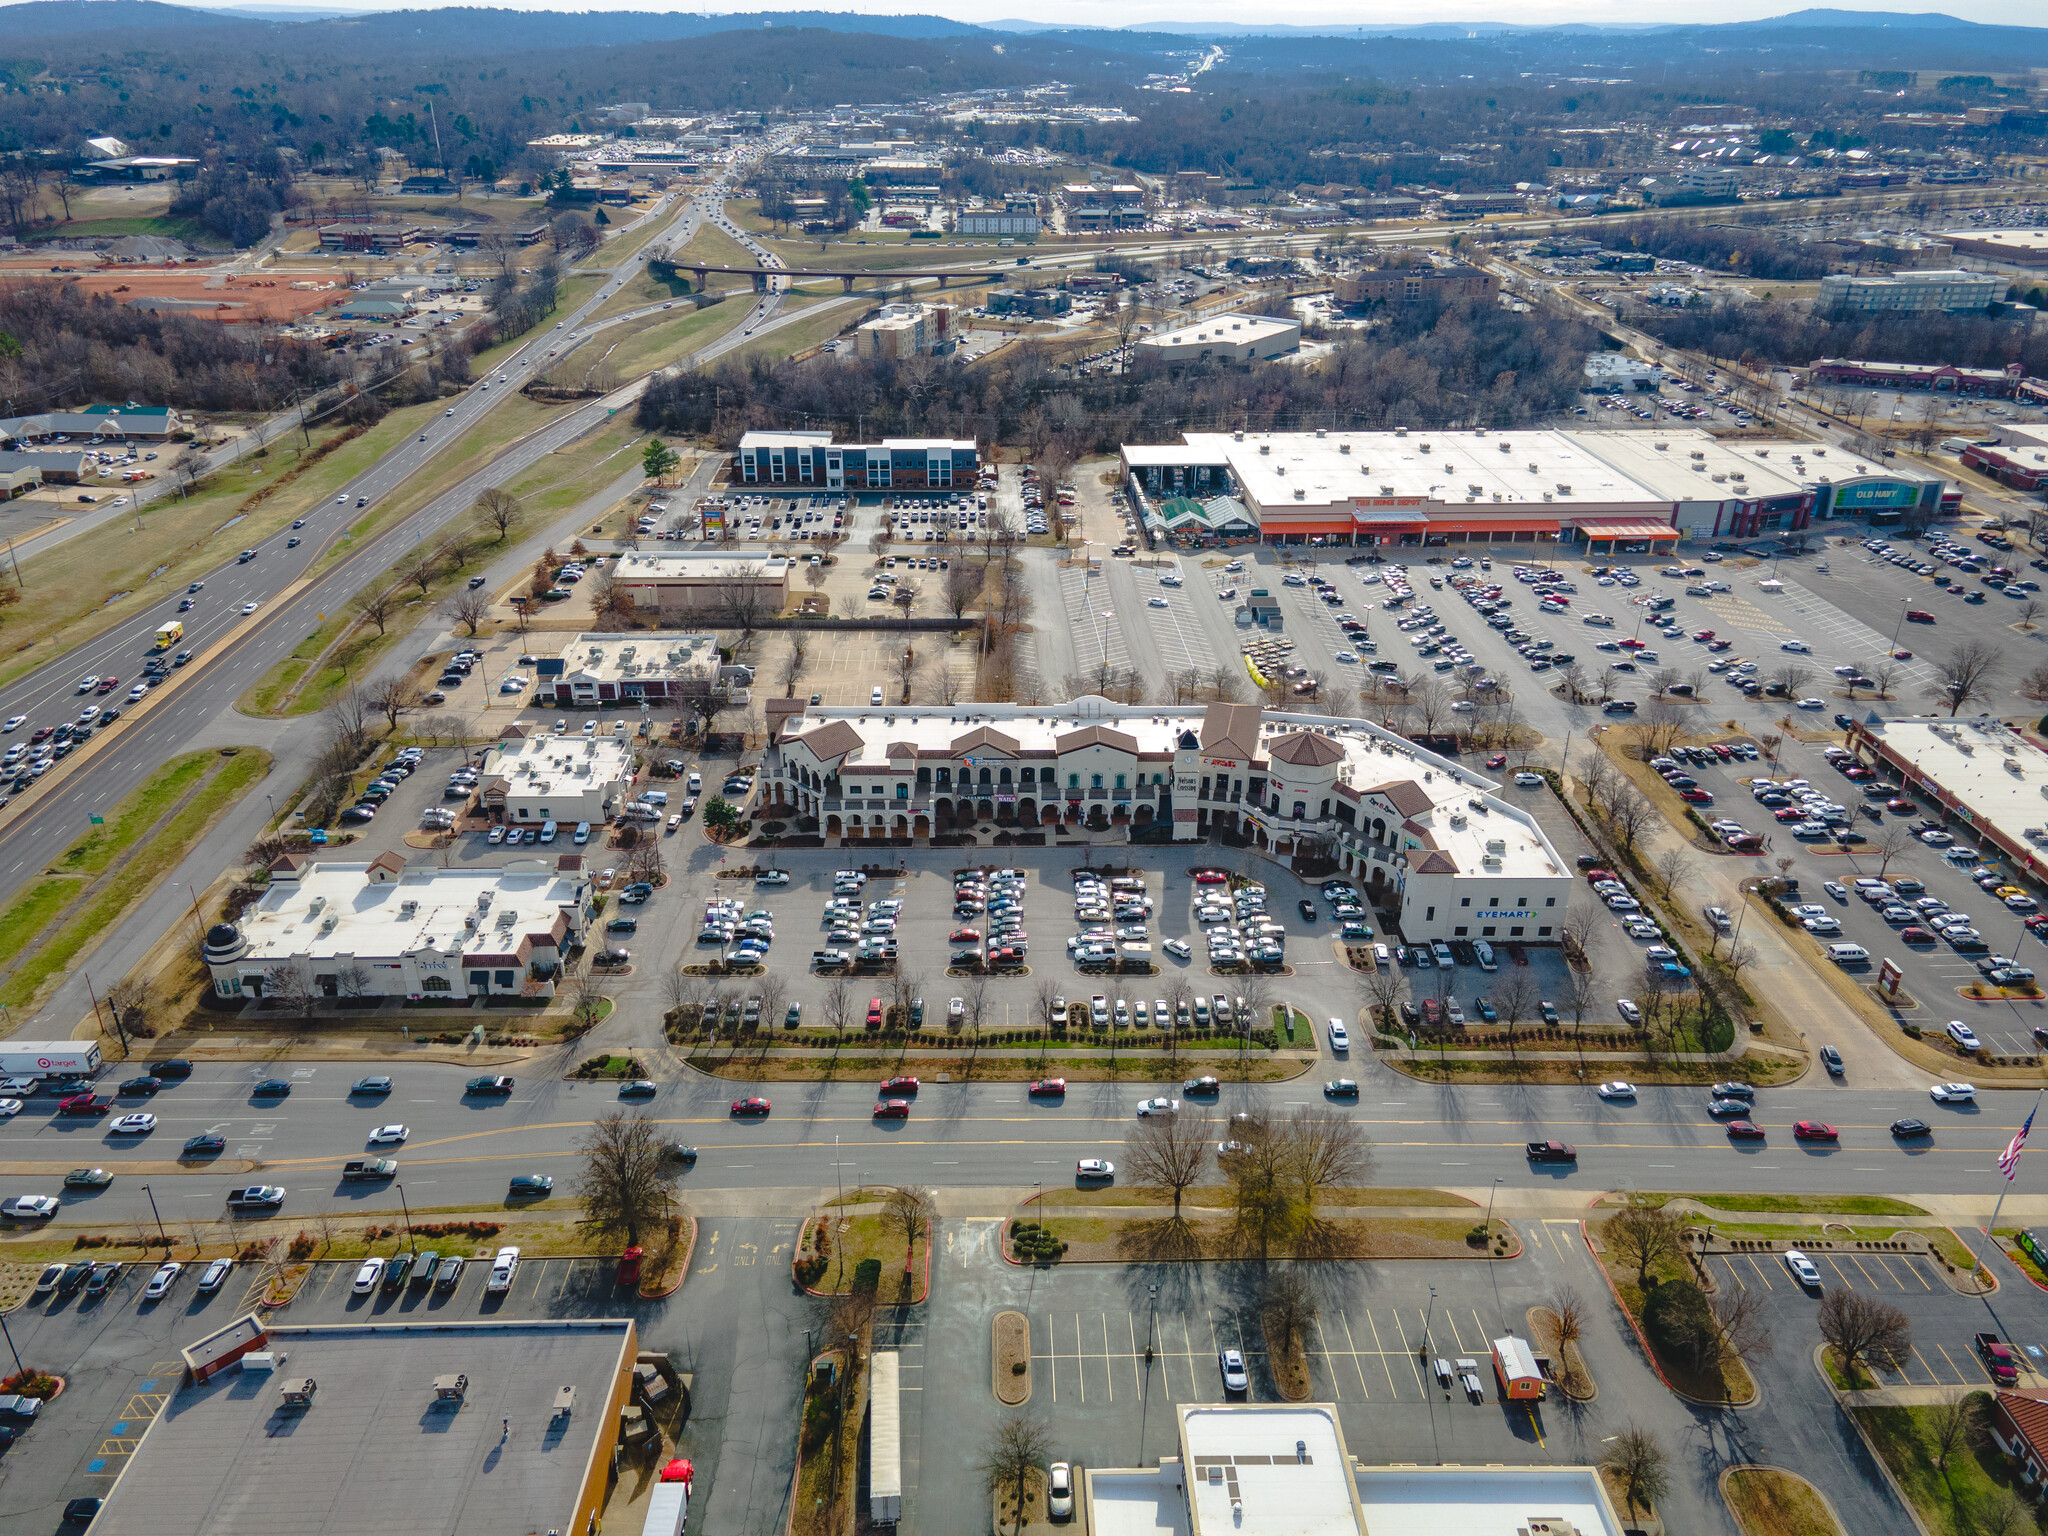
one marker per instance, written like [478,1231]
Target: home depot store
[1610,492]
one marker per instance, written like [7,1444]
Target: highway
[464,1148]
[42,820]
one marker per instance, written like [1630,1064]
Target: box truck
[48,1058]
[885,1441]
[170,635]
[668,1508]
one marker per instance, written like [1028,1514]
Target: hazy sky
[1286,12]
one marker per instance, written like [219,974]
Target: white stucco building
[1463,862]
[383,929]
[565,779]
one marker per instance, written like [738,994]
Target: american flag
[2009,1159]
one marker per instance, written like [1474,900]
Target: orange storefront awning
[1452,528]
[1340,525]
[1619,529]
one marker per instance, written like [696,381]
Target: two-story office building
[1417,831]
[814,461]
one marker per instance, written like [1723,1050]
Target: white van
[1484,951]
[1848,954]
[582,832]
[547,831]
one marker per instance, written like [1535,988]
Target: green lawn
[1768,1502]
[1812,1205]
[155,858]
[191,231]
[141,810]
[1951,1505]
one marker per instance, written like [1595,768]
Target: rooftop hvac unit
[1507,447]
[313,907]
[1343,447]
[1662,447]
[1423,447]
[1265,448]
[408,908]
[1697,453]
[1533,467]
[1386,490]
[1563,488]
[1496,845]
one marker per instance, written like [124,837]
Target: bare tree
[1642,1236]
[1791,679]
[838,1008]
[1673,868]
[1516,998]
[620,1185]
[470,607]
[1950,1428]
[1289,1305]
[377,603]
[911,1211]
[2034,685]
[1897,839]
[1169,1152]
[795,662]
[1629,812]
[1964,675]
[1569,1309]
[286,986]
[392,697]
[772,988]
[1636,1459]
[1864,1331]
[1598,774]
[1010,1455]
[908,665]
[1577,925]
[1744,1333]
[1385,987]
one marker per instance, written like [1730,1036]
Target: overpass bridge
[703,271]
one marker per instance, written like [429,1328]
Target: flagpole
[1992,1229]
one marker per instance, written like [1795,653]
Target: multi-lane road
[464,1148]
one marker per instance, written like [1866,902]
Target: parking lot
[1934,969]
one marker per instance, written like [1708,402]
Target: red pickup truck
[1999,1359]
[84,1104]
[1552,1152]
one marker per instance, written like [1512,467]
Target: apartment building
[811,458]
[1954,291]
[1417,285]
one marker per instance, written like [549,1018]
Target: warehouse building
[896,463]
[1224,339]
[338,929]
[1415,829]
[2020,247]
[1283,1469]
[1616,373]
[464,1429]
[1952,291]
[1614,492]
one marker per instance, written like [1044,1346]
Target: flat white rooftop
[1231,328]
[371,911]
[1271,1471]
[1999,777]
[695,565]
[1697,466]
[566,764]
[1483,1501]
[642,655]
[1450,469]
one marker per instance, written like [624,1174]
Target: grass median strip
[1810,1205]
[127,880]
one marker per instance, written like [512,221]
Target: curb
[1870,1448]
[682,1269]
[918,1302]
[1521,1250]
[1828,1504]
[1649,1354]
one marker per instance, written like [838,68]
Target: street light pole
[1429,1363]
[408,1220]
[159,1220]
[9,1335]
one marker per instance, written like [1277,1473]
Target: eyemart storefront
[1883,498]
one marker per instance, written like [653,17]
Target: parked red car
[874,1013]
[899,1085]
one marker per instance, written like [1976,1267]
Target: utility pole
[159,1220]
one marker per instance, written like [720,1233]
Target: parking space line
[1961,1374]
[1729,1265]
[1329,1369]
[1865,1272]
[1410,1354]
[1376,1344]
[1357,1364]
[1836,1265]
[1080,1366]
[1933,1375]
[1108,1370]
